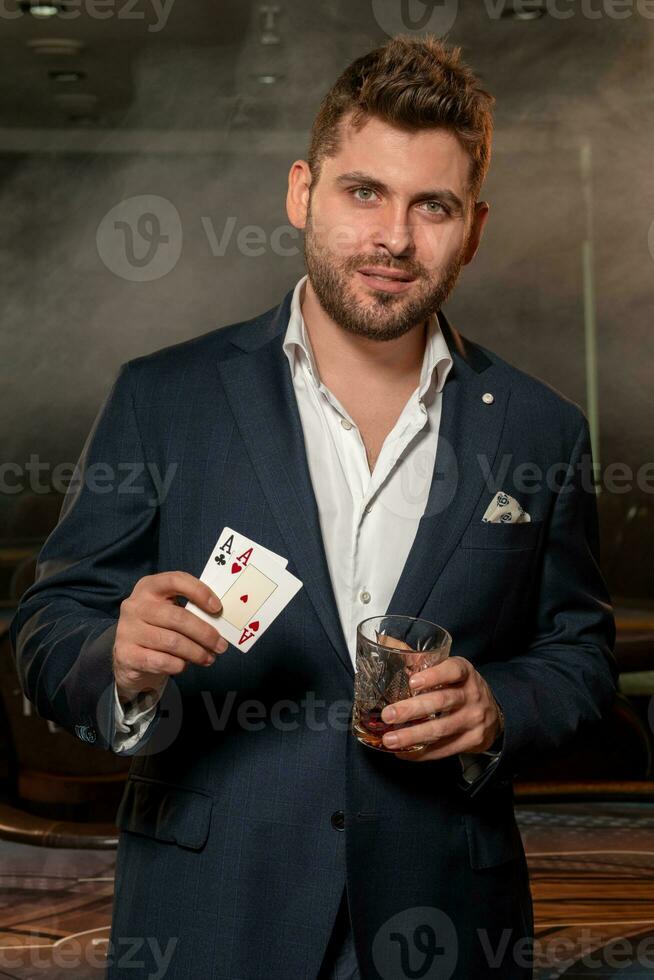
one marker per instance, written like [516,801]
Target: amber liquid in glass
[370,728]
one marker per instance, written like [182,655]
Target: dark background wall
[184,130]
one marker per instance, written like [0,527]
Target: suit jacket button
[338,820]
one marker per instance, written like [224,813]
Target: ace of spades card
[252,584]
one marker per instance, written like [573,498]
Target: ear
[480,214]
[297,197]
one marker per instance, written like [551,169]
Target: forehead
[406,160]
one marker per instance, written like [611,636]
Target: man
[354,431]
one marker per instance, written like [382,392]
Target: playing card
[253,585]
[245,597]
[232,552]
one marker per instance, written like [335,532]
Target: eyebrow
[442,193]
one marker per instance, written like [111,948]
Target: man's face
[397,201]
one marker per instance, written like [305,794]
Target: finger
[427,731]
[180,620]
[447,699]
[436,676]
[169,584]
[453,670]
[426,678]
[442,749]
[172,643]
[154,662]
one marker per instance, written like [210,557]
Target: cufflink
[86,733]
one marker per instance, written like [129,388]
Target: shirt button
[346,424]
[365,596]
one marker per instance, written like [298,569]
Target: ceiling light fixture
[524,11]
[55,46]
[66,77]
[40,9]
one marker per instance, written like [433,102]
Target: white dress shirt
[368,520]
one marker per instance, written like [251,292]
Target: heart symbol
[235,568]
[254,626]
[244,598]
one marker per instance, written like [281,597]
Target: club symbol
[220,559]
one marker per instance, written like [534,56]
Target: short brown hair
[415,83]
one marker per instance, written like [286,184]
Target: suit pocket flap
[171,813]
[492,839]
[509,537]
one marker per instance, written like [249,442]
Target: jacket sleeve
[64,629]
[565,678]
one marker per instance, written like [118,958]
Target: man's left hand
[473,719]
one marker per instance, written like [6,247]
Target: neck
[340,353]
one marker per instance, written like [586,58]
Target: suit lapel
[469,428]
[269,423]
[259,388]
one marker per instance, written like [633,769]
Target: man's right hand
[156,638]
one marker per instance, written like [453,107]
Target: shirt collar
[437,360]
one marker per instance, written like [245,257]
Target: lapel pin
[488,399]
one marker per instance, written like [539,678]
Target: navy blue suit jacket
[249,805]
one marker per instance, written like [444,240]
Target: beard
[382,316]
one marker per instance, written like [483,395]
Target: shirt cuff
[132,718]
[475,764]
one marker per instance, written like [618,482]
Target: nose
[393,233]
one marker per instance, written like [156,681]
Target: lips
[382,273]
[381,280]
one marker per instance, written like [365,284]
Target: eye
[365,190]
[441,209]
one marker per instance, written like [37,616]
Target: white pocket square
[505,509]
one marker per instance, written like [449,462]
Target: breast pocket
[504,537]
[495,566]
